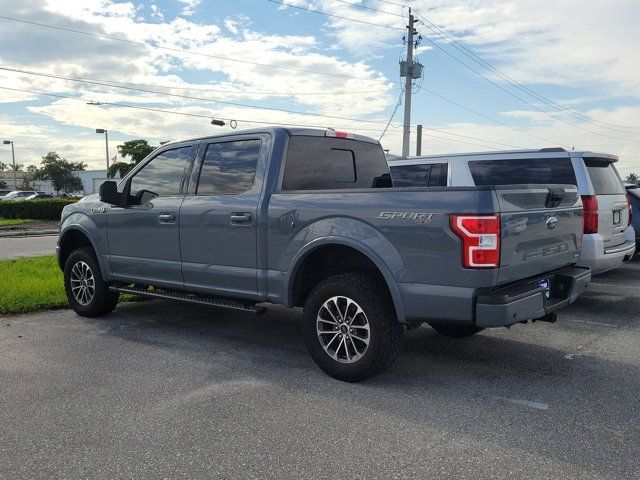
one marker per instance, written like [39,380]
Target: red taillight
[480,235]
[589,214]
[630,207]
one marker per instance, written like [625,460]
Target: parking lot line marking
[587,322]
[525,403]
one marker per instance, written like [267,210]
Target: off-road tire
[385,332]
[103,301]
[455,331]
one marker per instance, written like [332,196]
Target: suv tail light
[480,235]
[589,214]
[630,207]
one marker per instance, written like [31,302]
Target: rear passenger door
[218,219]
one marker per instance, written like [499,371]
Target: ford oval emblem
[552,222]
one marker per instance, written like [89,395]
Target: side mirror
[109,194]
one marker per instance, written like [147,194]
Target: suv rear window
[603,177]
[522,171]
[424,175]
[321,163]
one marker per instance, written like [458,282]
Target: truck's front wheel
[350,326]
[87,292]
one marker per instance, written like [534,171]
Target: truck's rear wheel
[87,292]
[455,331]
[350,327]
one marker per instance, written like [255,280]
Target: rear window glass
[603,178]
[410,175]
[321,163]
[425,175]
[522,171]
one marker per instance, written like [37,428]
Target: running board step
[191,298]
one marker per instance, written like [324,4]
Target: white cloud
[190,7]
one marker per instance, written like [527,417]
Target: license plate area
[617,217]
[546,284]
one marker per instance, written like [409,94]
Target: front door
[144,240]
[218,222]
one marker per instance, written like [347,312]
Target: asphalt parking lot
[165,390]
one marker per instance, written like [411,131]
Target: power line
[393,3]
[320,12]
[189,52]
[488,117]
[393,114]
[190,97]
[173,112]
[473,56]
[261,122]
[178,87]
[371,9]
[522,99]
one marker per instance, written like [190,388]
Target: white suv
[609,239]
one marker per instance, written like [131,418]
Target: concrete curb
[27,233]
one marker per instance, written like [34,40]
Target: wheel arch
[73,238]
[358,257]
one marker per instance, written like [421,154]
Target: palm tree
[3,166]
[17,168]
[632,178]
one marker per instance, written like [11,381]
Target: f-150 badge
[419,217]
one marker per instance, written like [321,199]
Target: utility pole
[419,141]
[407,88]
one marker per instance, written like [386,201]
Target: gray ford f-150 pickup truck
[307,218]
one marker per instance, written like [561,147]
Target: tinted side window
[603,178]
[321,163]
[514,172]
[163,175]
[438,177]
[229,167]
[410,175]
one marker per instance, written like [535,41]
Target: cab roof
[291,131]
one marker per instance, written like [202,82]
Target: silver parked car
[609,239]
[20,194]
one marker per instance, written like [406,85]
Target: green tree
[3,184]
[632,178]
[59,171]
[121,168]
[3,166]
[136,150]
[18,167]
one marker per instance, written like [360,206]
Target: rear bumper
[600,259]
[528,301]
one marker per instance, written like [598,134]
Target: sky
[497,74]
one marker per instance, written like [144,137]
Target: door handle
[241,219]
[167,218]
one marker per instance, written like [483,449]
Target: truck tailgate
[541,228]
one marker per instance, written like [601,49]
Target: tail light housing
[480,235]
[589,214]
[630,207]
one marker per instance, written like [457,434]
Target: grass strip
[9,222]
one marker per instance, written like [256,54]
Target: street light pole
[13,156]
[106,142]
